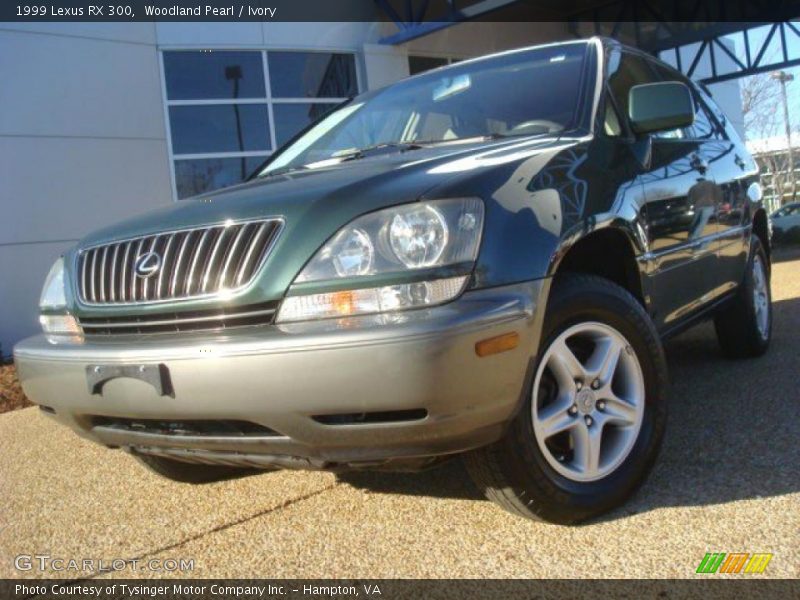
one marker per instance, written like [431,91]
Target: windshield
[532,92]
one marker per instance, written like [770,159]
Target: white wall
[82,144]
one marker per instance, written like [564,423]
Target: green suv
[481,260]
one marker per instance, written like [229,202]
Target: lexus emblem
[147,264]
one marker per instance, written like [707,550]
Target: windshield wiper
[366,151]
[384,148]
[283,171]
[473,138]
[375,149]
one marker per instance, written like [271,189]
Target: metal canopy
[769,53]
[691,29]
[412,24]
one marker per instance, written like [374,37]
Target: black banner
[402,12]
[388,589]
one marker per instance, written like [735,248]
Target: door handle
[698,164]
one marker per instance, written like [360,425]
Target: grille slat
[231,256]
[112,289]
[133,279]
[173,286]
[103,274]
[194,262]
[173,322]
[212,258]
[249,258]
[191,278]
[151,246]
[123,278]
[165,269]
[93,293]
[83,261]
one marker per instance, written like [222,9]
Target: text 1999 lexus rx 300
[481,259]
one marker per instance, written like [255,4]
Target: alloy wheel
[588,401]
[760,296]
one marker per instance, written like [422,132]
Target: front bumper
[298,379]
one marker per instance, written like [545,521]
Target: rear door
[733,170]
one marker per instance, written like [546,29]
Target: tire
[521,472]
[185,472]
[743,331]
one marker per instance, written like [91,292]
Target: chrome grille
[193,263]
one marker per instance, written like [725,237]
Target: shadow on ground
[732,431]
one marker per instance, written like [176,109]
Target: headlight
[352,253]
[411,236]
[395,241]
[418,237]
[53,295]
[54,298]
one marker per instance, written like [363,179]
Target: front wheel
[595,413]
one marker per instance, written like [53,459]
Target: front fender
[541,204]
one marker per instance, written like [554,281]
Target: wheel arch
[761,229]
[609,252]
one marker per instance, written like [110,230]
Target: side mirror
[660,106]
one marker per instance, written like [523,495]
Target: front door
[681,198]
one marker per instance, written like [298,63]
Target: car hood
[315,203]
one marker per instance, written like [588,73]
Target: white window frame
[267,99]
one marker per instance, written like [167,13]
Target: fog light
[60,324]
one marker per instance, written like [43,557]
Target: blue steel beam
[414,27]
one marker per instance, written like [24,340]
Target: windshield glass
[532,92]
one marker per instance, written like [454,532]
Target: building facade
[101,121]
[781,185]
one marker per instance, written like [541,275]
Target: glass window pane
[628,70]
[312,75]
[194,177]
[219,128]
[420,64]
[291,118]
[704,127]
[206,75]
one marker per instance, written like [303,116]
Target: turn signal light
[495,345]
[343,303]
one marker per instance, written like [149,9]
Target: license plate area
[156,375]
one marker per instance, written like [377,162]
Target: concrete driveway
[728,480]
